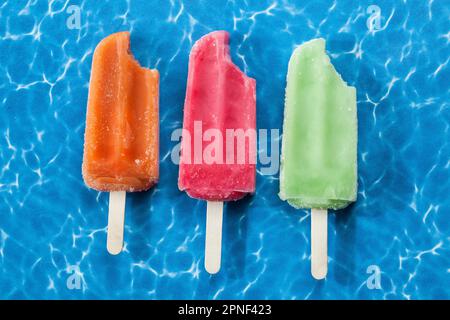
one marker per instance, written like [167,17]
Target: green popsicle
[318,163]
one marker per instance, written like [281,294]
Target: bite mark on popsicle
[319,160]
[221,97]
[319,152]
[121,137]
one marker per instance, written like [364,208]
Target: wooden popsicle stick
[213,242]
[116,217]
[319,238]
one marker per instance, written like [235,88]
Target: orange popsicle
[121,138]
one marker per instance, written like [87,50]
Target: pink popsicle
[219,96]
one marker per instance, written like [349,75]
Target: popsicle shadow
[236,227]
[138,217]
[345,246]
[361,77]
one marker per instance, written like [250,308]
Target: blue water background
[51,224]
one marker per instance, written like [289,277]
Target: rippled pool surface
[53,228]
